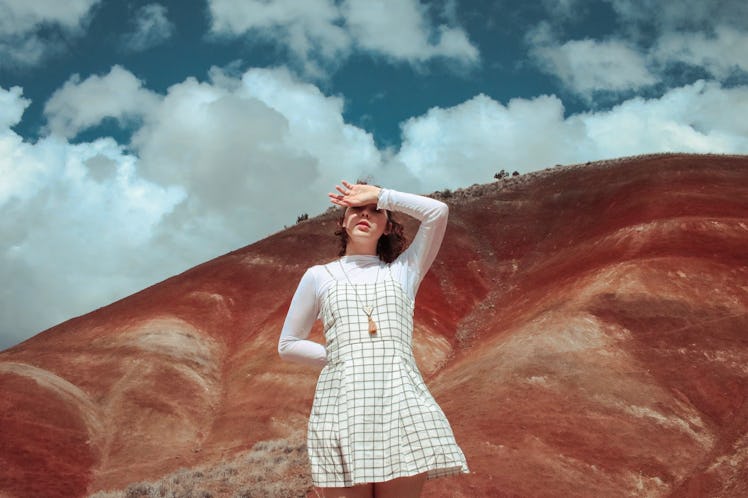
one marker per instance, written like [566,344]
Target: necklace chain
[368,309]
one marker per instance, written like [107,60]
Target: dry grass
[271,469]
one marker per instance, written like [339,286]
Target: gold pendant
[372,326]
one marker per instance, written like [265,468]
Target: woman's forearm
[293,344]
[302,351]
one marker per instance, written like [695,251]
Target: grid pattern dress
[373,418]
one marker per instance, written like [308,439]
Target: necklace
[368,309]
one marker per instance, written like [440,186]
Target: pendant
[372,326]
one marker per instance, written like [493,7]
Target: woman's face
[365,222]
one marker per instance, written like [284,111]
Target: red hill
[584,328]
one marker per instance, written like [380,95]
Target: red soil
[584,328]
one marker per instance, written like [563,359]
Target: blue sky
[139,138]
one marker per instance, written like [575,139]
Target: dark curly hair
[389,246]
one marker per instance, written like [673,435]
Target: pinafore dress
[373,418]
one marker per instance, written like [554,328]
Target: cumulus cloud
[400,30]
[692,15]
[707,35]
[469,142]
[12,106]
[701,117]
[22,41]
[588,66]
[82,104]
[721,54]
[253,153]
[652,42]
[73,220]
[19,16]
[321,33]
[151,27]
[309,30]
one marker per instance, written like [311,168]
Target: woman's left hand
[354,194]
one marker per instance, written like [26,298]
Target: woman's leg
[402,487]
[360,491]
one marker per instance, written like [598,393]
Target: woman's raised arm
[432,214]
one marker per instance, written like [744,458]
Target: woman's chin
[361,231]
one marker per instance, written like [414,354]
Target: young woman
[374,430]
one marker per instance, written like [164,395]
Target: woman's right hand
[354,194]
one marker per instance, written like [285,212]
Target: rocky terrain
[585,329]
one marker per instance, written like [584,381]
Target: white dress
[373,418]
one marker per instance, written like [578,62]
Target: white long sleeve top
[408,269]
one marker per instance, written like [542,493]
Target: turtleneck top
[408,269]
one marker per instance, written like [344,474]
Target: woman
[374,429]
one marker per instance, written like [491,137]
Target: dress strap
[329,272]
[389,270]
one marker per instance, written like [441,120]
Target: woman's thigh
[402,487]
[362,491]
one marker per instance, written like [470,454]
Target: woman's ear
[388,228]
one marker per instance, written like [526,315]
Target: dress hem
[433,473]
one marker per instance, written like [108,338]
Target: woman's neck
[353,249]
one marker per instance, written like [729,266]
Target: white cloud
[82,104]
[650,43]
[21,42]
[589,66]
[76,221]
[683,14]
[721,54]
[321,33]
[709,35]
[400,30]
[21,16]
[468,143]
[12,106]
[253,153]
[702,117]
[309,30]
[151,28]
[23,51]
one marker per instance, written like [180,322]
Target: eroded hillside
[584,328]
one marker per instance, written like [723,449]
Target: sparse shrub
[302,217]
[501,175]
[516,173]
[275,468]
[137,490]
[446,193]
